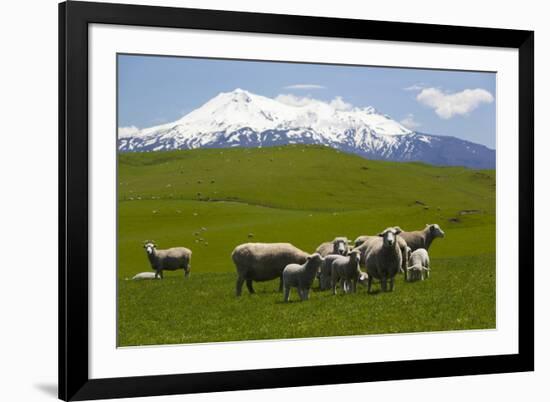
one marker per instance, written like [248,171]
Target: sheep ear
[381,234]
[397,230]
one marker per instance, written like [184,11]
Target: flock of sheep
[334,263]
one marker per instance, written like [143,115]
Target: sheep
[326,271]
[301,276]
[145,275]
[422,238]
[337,246]
[419,265]
[169,259]
[263,262]
[345,269]
[382,257]
[403,246]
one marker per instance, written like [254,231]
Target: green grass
[210,200]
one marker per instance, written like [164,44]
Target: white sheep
[325,271]
[405,249]
[422,238]
[264,262]
[337,246]
[301,276]
[168,260]
[419,265]
[345,269]
[382,257]
[144,275]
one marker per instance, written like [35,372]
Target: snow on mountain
[242,119]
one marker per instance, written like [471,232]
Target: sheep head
[149,246]
[340,245]
[435,230]
[390,236]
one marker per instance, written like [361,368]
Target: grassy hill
[211,200]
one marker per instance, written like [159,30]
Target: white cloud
[409,122]
[127,131]
[293,100]
[447,105]
[304,86]
[337,103]
[415,87]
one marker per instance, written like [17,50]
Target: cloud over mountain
[447,105]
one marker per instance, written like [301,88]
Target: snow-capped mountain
[242,119]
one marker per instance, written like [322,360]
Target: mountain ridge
[242,119]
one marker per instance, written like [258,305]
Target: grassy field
[211,200]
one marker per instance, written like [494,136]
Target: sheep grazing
[419,265]
[422,238]
[345,269]
[168,260]
[382,257]
[326,271]
[337,246]
[144,276]
[403,246]
[264,262]
[302,276]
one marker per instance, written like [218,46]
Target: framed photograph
[258,201]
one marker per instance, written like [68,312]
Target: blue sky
[155,90]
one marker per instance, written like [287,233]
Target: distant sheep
[301,277]
[145,275]
[422,238]
[168,260]
[337,246]
[419,265]
[345,269]
[382,257]
[264,262]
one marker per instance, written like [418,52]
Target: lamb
[337,246]
[422,238]
[264,262]
[345,269]
[326,271]
[405,250]
[419,265]
[168,260]
[382,257]
[145,275]
[301,276]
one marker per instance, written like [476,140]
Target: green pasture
[211,200]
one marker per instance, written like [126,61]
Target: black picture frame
[74,18]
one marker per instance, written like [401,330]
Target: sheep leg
[333,285]
[281,283]
[384,284]
[306,294]
[302,293]
[286,294]
[369,284]
[353,286]
[343,285]
[249,286]
[239,287]
[159,274]
[391,285]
